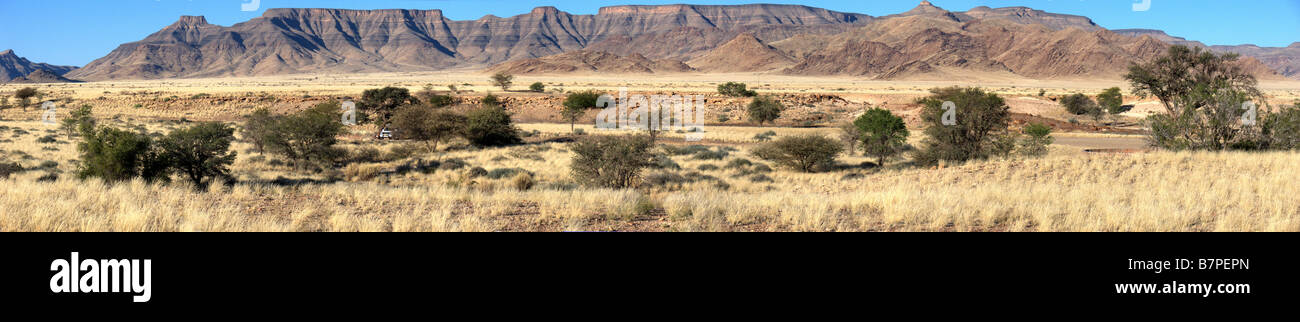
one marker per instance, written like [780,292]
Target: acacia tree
[1079,104]
[1202,93]
[201,153]
[883,133]
[24,96]
[490,125]
[765,109]
[258,127]
[610,161]
[307,136]
[78,121]
[1112,101]
[502,80]
[577,104]
[806,153]
[384,101]
[432,127]
[851,135]
[977,115]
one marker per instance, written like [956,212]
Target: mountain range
[925,42]
[18,69]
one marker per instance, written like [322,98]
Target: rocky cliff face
[1284,60]
[14,67]
[335,40]
[925,42]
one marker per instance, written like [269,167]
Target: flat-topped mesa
[640,9]
[927,7]
[544,10]
[191,21]
[299,12]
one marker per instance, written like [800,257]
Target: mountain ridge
[925,39]
[14,67]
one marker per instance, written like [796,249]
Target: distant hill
[13,67]
[745,53]
[336,40]
[41,76]
[926,42]
[584,61]
[1284,60]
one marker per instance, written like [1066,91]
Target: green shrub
[609,161]
[491,126]
[1079,104]
[8,168]
[259,128]
[707,167]
[502,80]
[426,125]
[115,155]
[308,136]
[715,154]
[1202,93]
[384,101]
[1037,138]
[735,89]
[739,163]
[807,153]
[505,173]
[764,109]
[78,119]
[1281,130]
[978,115]
[201,153]
[537,87]
[883,134]
[683,150]
[661,161]
[476,172]
[452,164]
[577,104]
[439,101]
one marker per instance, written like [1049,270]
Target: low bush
[806,153]
[609,161]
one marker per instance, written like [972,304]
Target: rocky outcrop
[14,67]
[336,40]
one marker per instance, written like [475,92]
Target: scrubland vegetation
[466,165]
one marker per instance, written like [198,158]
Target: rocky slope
[41,76]
[336,40]
[927,42]
[745,53]
[14,67]
[591,62]
[1284,60]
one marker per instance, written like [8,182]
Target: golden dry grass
[1065,192]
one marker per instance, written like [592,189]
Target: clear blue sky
[74,32]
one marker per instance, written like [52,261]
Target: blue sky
[74,32]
